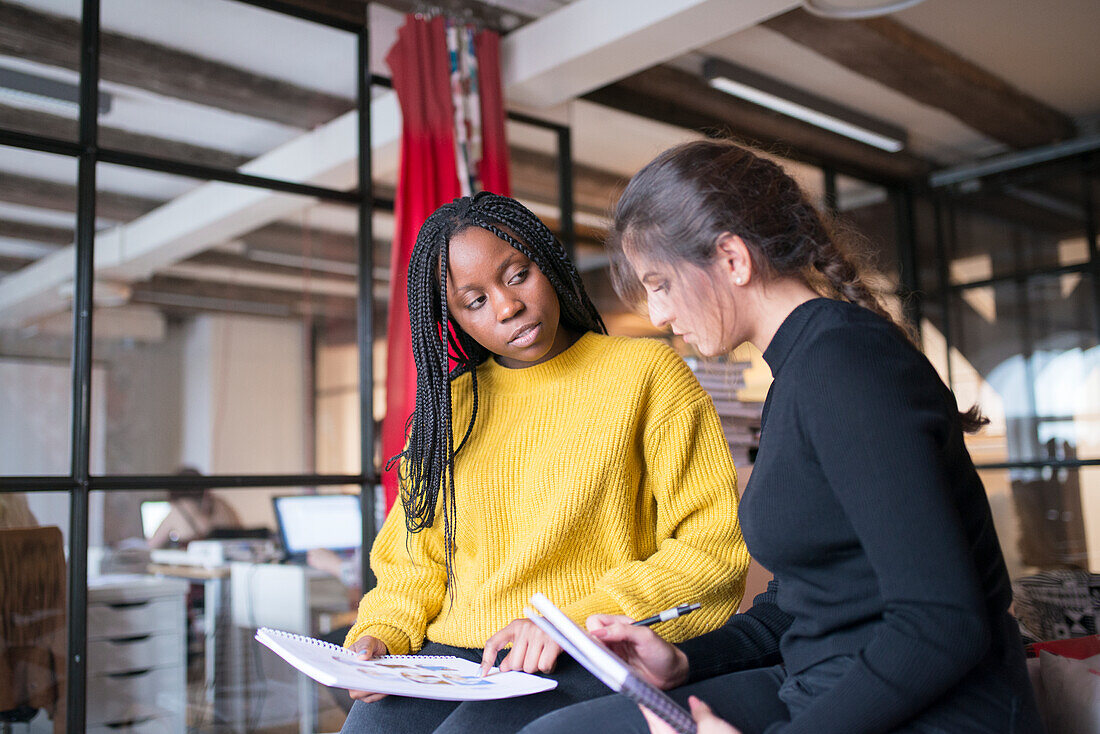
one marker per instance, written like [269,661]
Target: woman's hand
[368,647]
[659,662]
[705,719]
[532,650]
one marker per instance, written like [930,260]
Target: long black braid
[427,463]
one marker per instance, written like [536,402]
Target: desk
[291,598]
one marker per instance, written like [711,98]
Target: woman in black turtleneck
[888,608]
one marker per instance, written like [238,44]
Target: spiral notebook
[606,665]
[444,678]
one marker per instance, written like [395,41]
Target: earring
[739,280]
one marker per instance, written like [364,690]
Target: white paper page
[443,678]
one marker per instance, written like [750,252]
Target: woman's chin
[520,358]
[707,350]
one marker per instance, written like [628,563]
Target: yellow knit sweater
[600,478]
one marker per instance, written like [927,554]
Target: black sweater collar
[786,336]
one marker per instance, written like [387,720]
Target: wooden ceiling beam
[55,41]
[534,176]
[64,128]
[284,240]
[501,20]
[533,173]
[348,11]
[244,262]
[61,197]
[9,264]
[191,296]
[921,69]
[683,99]
[59,236]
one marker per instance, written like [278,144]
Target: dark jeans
[994,698]
[397,714]
[749,700]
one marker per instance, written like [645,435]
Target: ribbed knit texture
[865,505]
[600,478]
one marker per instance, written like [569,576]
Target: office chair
[32,625]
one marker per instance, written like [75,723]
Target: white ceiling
[1046,50]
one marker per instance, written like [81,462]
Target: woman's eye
[518,277]
[476,303]
[661,287]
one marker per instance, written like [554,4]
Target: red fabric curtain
[494,156]
[428,178]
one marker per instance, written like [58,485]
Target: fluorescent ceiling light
[857,11]
[775,95]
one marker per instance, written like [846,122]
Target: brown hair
[677,207]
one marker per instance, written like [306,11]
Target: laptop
[153,513]
[308,521]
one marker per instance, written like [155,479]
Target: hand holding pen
[666,615]
[659,662]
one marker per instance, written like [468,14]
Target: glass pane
[933,343]
[34,536]
[207,591]
[1046,518]
[1027,354]
[40,87]
[928,258]
[1093,176]
[224,84]
[37,226]
[1027,221]
[868,209]
[220,312]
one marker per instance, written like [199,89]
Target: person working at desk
[889,602]
[194,514]
[552,458]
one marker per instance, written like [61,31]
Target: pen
[667,615]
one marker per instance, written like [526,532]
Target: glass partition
[37,260]
[220,310]
[34,538]
[223,84]
[197,571]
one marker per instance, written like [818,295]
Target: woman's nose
[657,315]
[508,308]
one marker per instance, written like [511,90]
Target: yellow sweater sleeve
[701,556]
[412,584]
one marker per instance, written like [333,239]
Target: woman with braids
[888,607]
[550,458]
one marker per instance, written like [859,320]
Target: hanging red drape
[494,156]
[428,178]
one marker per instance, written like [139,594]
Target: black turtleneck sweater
[866,507]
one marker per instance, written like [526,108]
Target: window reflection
[1023,345]
[196,601]
[33,613]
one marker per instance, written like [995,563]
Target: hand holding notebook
[607,666]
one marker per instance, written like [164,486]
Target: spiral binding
[300,638]
[337,648]
[656,701]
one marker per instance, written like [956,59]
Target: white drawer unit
[137,655]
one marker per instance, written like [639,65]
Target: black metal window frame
[88,153]
[943,195]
